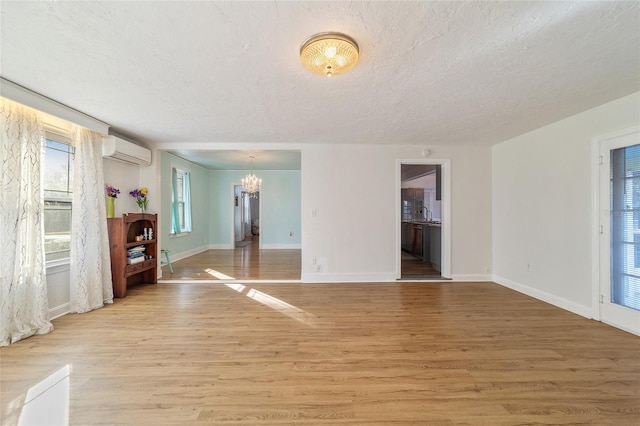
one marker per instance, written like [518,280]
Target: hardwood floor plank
[336,354]
[242,263]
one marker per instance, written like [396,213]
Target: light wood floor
[251,263]
[242,263]
[329,354]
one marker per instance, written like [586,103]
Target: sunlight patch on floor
[47,403]
[218,275]
[276,304]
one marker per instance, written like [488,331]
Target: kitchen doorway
[424,220]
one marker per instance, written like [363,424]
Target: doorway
[246,216]
[424,226]
[618,289]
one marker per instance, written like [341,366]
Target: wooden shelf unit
[122,236]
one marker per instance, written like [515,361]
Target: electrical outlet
[318,268]
[291,233]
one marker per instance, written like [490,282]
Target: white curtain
[24,308]
[90,270]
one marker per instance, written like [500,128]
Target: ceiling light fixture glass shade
[251,182]
[329,53]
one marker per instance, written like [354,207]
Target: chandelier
[251,182]
[329,53]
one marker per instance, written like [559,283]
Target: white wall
[353,191]
[125,177]
[542,205]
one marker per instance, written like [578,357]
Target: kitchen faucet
[426,213]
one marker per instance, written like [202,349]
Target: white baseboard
[59,311]
[183,255]
[321,277]
[560,302]
[384,277]
[281,246]
[471,277]
[220,246]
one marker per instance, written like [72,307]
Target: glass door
[620,232]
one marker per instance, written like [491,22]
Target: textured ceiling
[430,73]
[240,160]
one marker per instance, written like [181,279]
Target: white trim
[22,95]
[233,212]
[348,278]
[596,144]
[445,261]
[57,266]
[220,247]
[622,327]
[471,277]
[59,311]
[233,281]
[180,235]
[560,302]
[281,246]
[183,255]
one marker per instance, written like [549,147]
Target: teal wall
[280,198]
[212,206]
[200,217]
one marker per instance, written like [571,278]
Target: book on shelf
[134,260]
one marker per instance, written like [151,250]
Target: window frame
[60,136]
[185,207]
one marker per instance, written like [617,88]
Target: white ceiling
[430,73]
[240,159]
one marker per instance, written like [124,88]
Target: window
[180,201]
[625,230]
[58,194]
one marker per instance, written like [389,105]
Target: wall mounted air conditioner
[119,149]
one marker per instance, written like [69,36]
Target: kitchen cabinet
[405,236]
[412,203]
[417,242]
[435,255]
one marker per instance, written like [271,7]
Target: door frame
[233,214]
[445,164]
[601,232]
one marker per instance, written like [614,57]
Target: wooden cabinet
[417,244]
[435,254]
[405,236]
[123,233]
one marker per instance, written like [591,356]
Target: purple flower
[111,191]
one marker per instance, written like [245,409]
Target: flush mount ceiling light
[251,182]
[329,53]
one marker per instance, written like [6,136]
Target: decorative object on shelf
[112,194]
[251,182]
[141,198]
[329,53]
